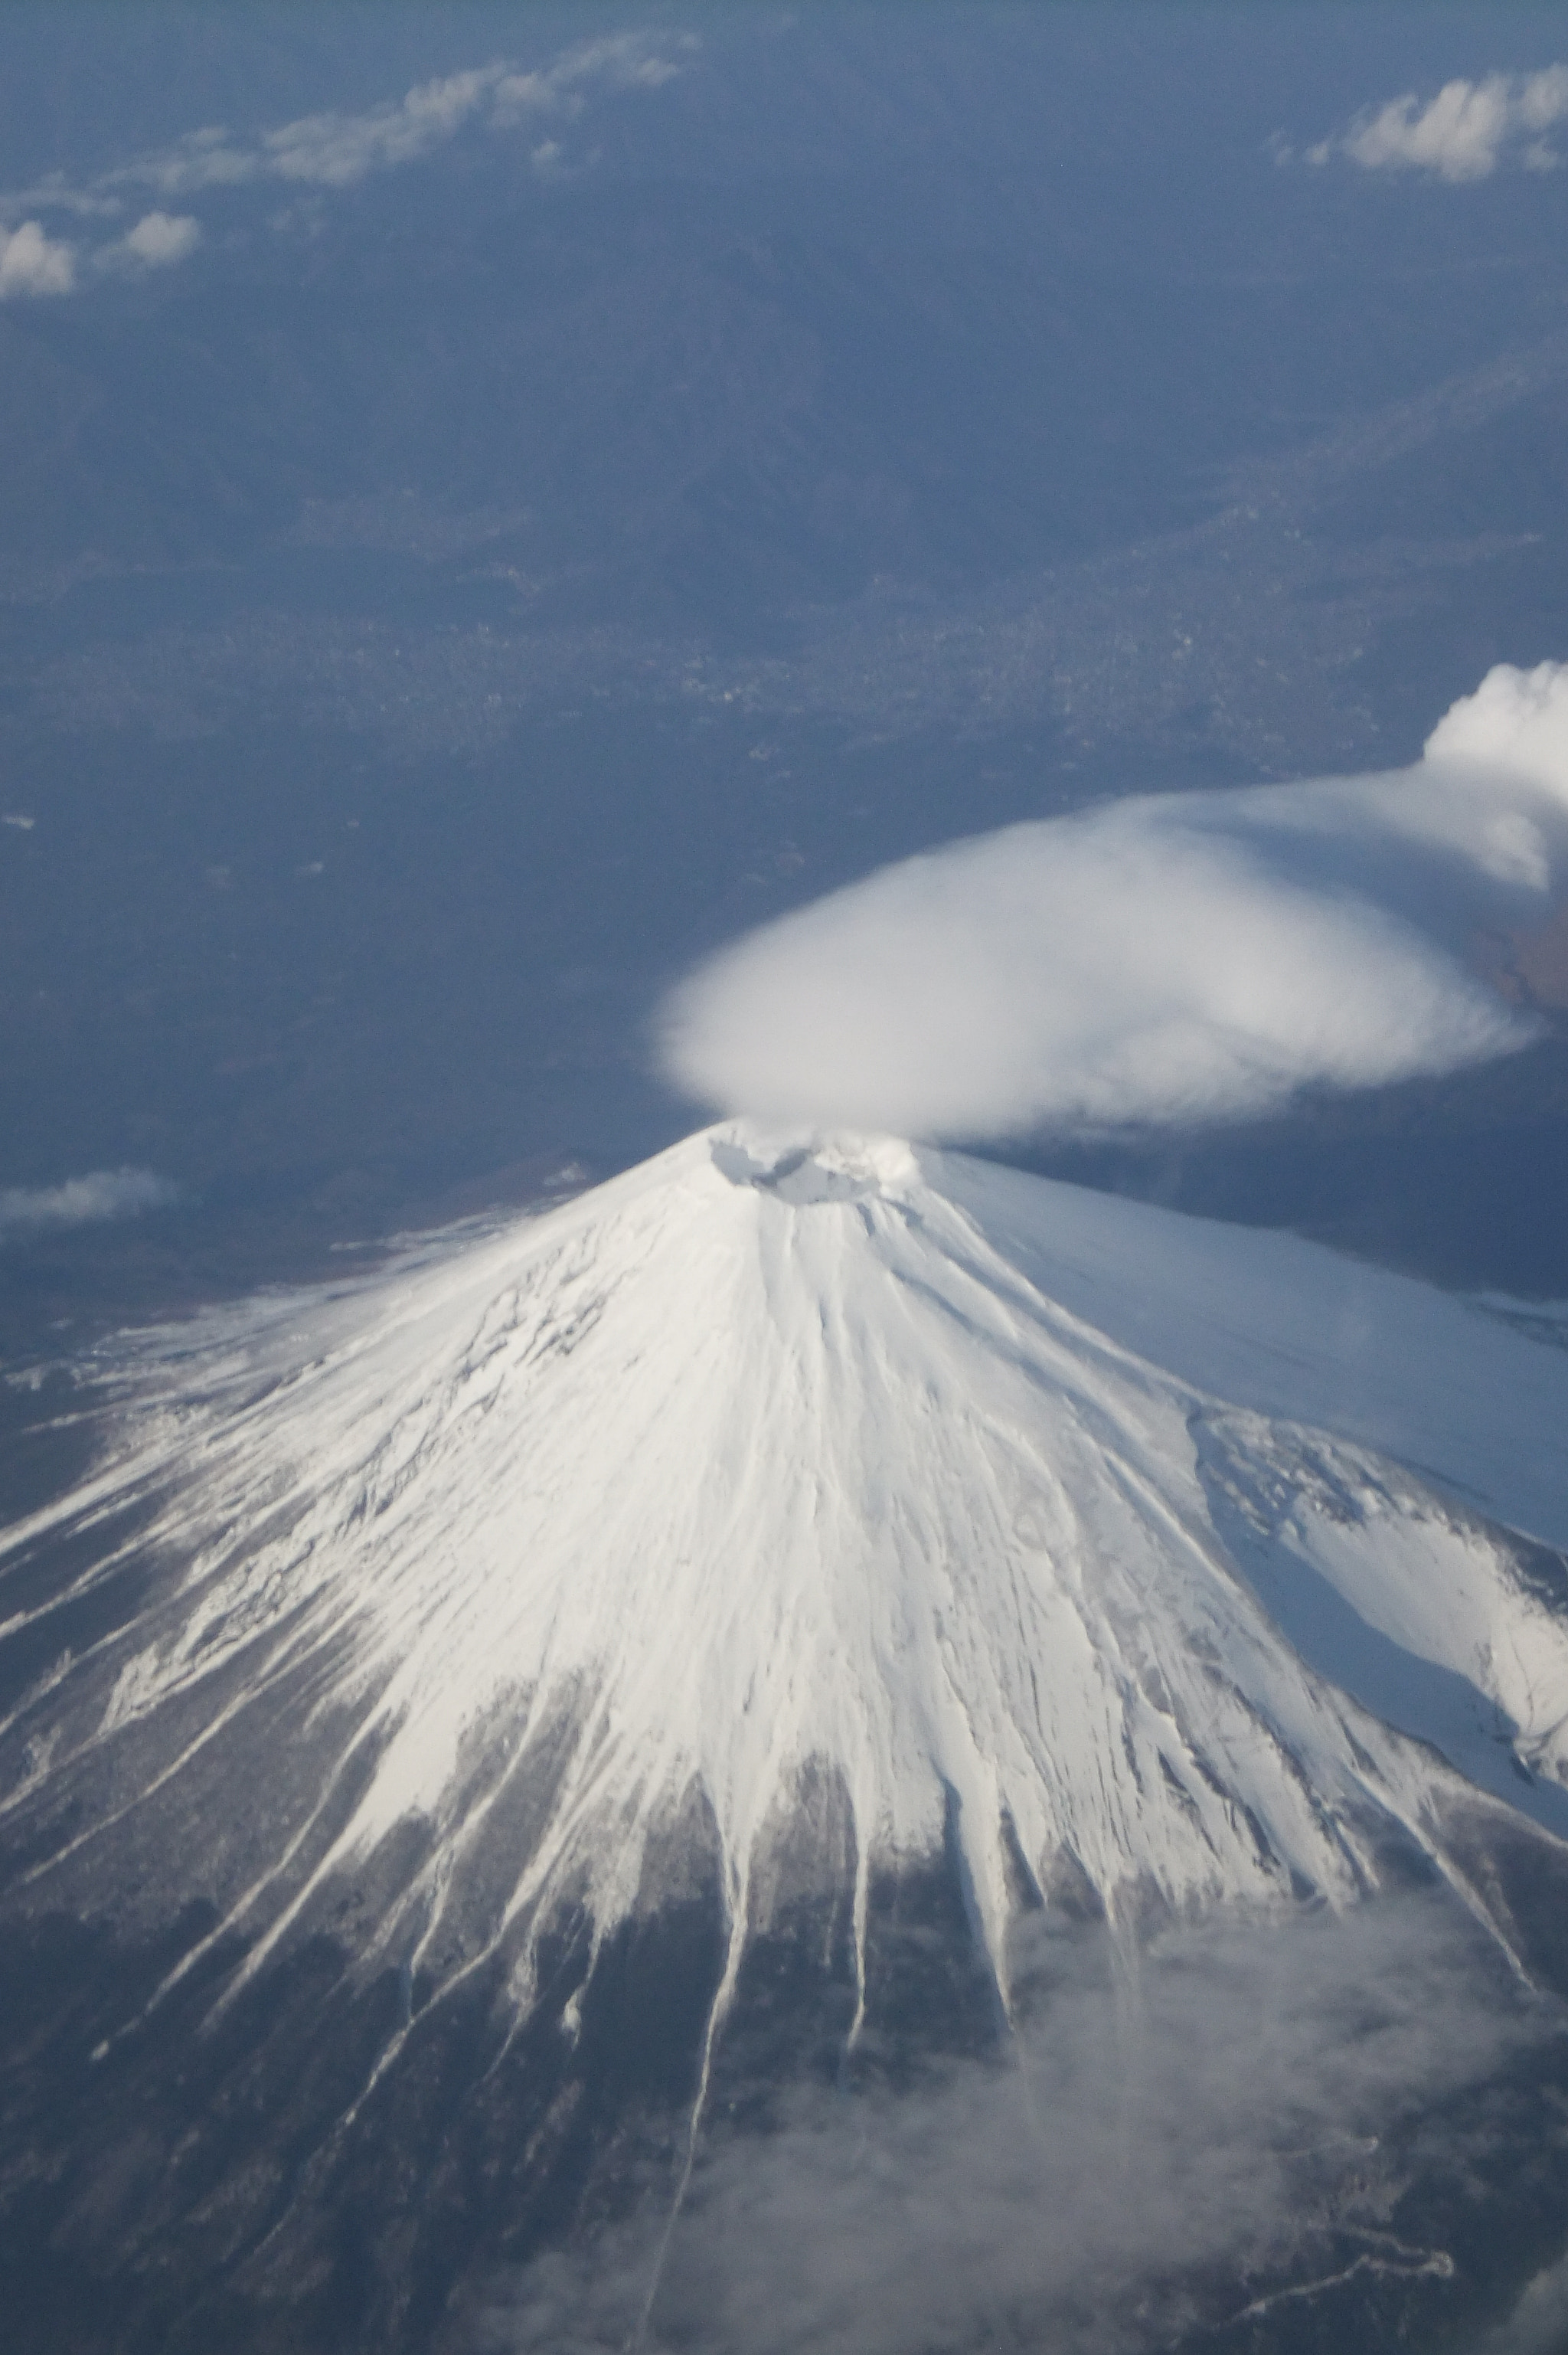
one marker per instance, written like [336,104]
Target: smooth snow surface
[1089,1537]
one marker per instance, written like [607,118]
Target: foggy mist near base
[1260,2098]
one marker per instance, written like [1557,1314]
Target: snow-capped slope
[1051,1526]
[1300,1332]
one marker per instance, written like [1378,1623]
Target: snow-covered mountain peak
[792,1481]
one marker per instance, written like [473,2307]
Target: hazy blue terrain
[449,600]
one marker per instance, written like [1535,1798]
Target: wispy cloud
[1230,2132]
[77,1202]
[338,149]
[1539,2322]
[1464,132]
[325,151]
[33,263]
[335,150]
[1169,958]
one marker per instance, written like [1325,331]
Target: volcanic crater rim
[834,1169]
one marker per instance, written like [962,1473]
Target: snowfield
[1079,1536]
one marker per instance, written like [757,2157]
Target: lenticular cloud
[1515,724]
[1171,958]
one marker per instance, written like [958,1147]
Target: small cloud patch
[1464,132]
[33,263]
[79,1202]
[159,239]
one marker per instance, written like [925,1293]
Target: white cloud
[624,60]
[1168,958]
[159,238]
[32,263]
[336,150]
[1465,132]
[54,192]
[102,1194]
[1515,723]
[157,242]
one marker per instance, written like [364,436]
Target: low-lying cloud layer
[1249,2119]
[1464,132]
[101,1194]
[1169,958]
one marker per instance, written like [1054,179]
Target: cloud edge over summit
[1163,960]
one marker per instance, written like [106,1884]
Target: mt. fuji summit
[784,1529]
